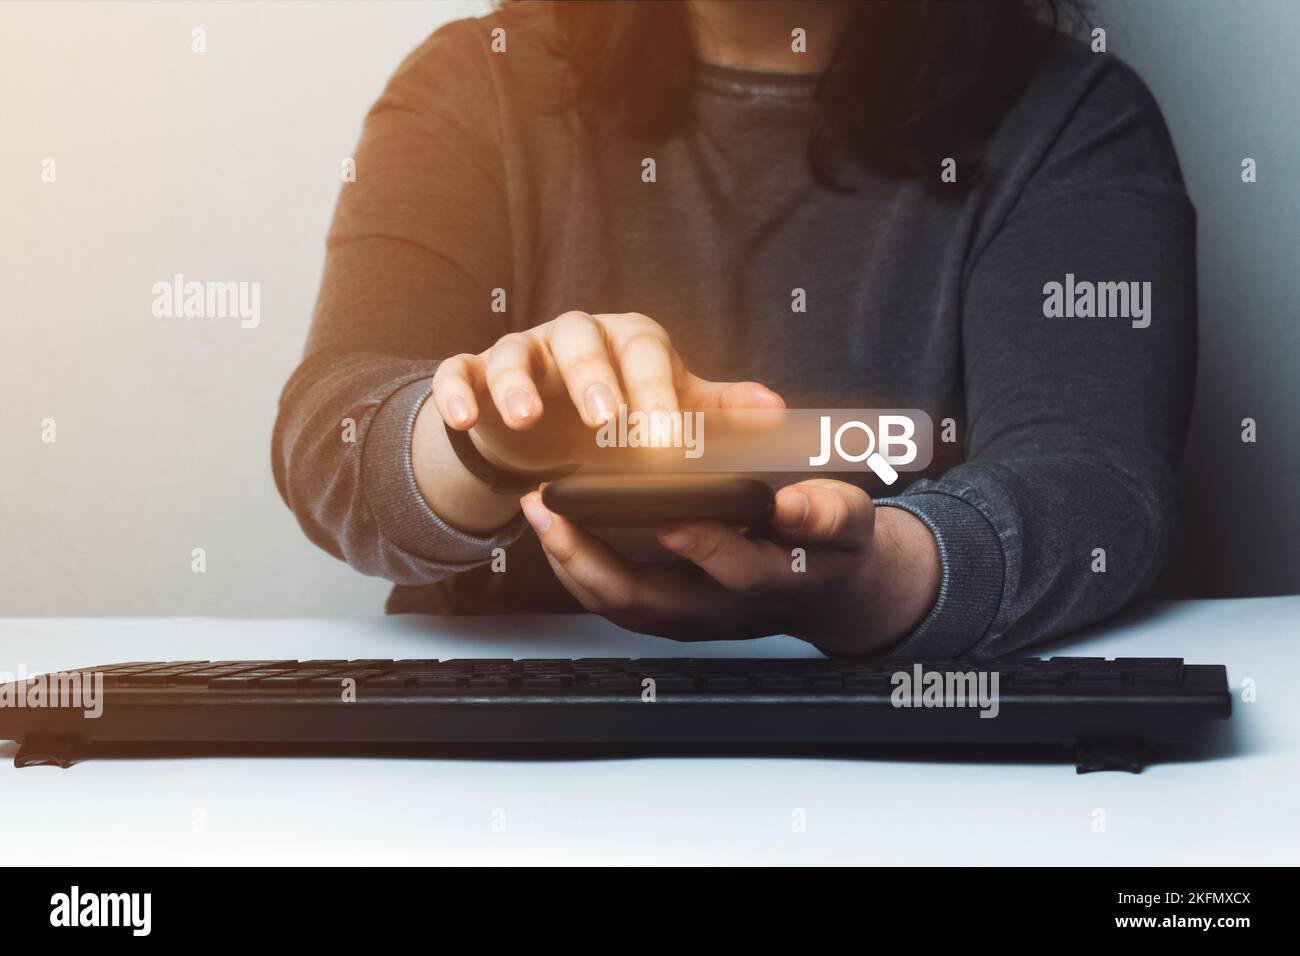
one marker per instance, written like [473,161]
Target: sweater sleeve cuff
[973,566]
[403,516]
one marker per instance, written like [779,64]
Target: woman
[562,207]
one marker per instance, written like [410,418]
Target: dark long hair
[912,82]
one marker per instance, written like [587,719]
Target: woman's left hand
[829,569]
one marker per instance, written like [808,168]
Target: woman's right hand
[550,383]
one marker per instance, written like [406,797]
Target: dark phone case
[638,501]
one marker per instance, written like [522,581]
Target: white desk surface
[1239,808]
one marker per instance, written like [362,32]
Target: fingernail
[519,404]
[458,409]
[792,510]
[600,404]
[677,540]
[536,513]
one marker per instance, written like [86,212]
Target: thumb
[826,512]
[748,395]
[703,394]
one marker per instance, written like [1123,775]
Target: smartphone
[648,500]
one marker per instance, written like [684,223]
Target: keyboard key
[618,685]
[233,682]
[243,679]
[670,684]
[439,681]
[330,682]
[555,683]
[155,679]
[484,682]
[198,677]
[727,682]
[390,681]
[283,682]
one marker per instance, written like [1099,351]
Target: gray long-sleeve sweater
[1067,428]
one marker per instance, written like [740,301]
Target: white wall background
[225,166]
[221,165]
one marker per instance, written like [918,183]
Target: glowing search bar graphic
[884,441]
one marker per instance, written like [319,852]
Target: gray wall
[1227,76]
[225,165]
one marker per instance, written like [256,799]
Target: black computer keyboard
[1108,713]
